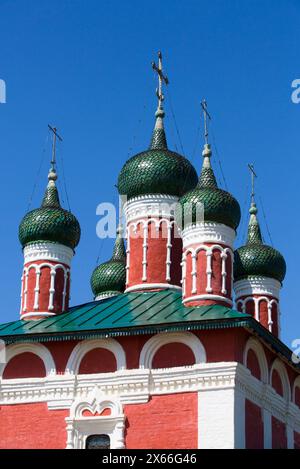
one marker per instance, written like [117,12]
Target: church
[179,346]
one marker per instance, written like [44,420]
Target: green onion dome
[50,222]
[157,170]
[257,258]
[109,278]
[219,206]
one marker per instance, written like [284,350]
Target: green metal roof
[131,314]
[125,314]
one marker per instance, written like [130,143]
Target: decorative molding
[156,342]
[281,370]
[48,252]
[154,205]
[208,232]
[257,285]
[82,348]
[136,386]
[41,314]
[257,300]
[194,250]
[257,348]
[152,286]
[37,349]
[104,295]
[207,297]
[79,427]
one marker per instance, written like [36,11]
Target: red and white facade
[207,264]
[154,247]
[259,296]
[45,281]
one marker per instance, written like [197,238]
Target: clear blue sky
[85,67]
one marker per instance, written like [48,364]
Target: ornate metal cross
[161,79]
[253,176]
[55,134]
[206,116]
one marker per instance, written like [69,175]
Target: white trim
[155,205]
[257,285]
[281,370]
[103,296]
[156,342]
[39,315]
[296,384]
[136,386]
[208,297]
[48,252]
[79,427]
[152,286]
[37,349]
[208,232]
[81,349]
[257,348]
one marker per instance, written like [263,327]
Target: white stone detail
[81,349]
[152,286]
[79,427]
[37,349]
[257,348]
[208,232]
[154,205]
[103,296]
[257,285]
[208,297]
[43,251]
[156,342]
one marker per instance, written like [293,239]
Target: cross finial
[55,134]
[206,117]
[161,79]
[253,176]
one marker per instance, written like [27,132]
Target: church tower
[152,182]
[49,236]
[209,217]
[259,271]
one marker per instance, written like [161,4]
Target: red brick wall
[279,439]
[253,364]
[254,426]
[98,360]
[168,421]
[25,365]
[277,383]
[174,354]
[296,440]
[32,426]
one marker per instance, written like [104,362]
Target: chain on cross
[55,135]
[253,176]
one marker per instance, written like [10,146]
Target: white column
[290,437]
[128,255]
[208,270]
[183,280]
[65,289]
[169,250]
[270,322]
[221,419]
[52,290]
[25,290]
[194,272]
[145,246]
[224,257]
[267,418]
[37,288]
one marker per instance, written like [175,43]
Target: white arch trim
[280,368]
[295,385]
[81,349]
[156,342]
[37,349]
[257,348]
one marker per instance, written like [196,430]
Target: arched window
[97,442]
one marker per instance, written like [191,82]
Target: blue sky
[85,67]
